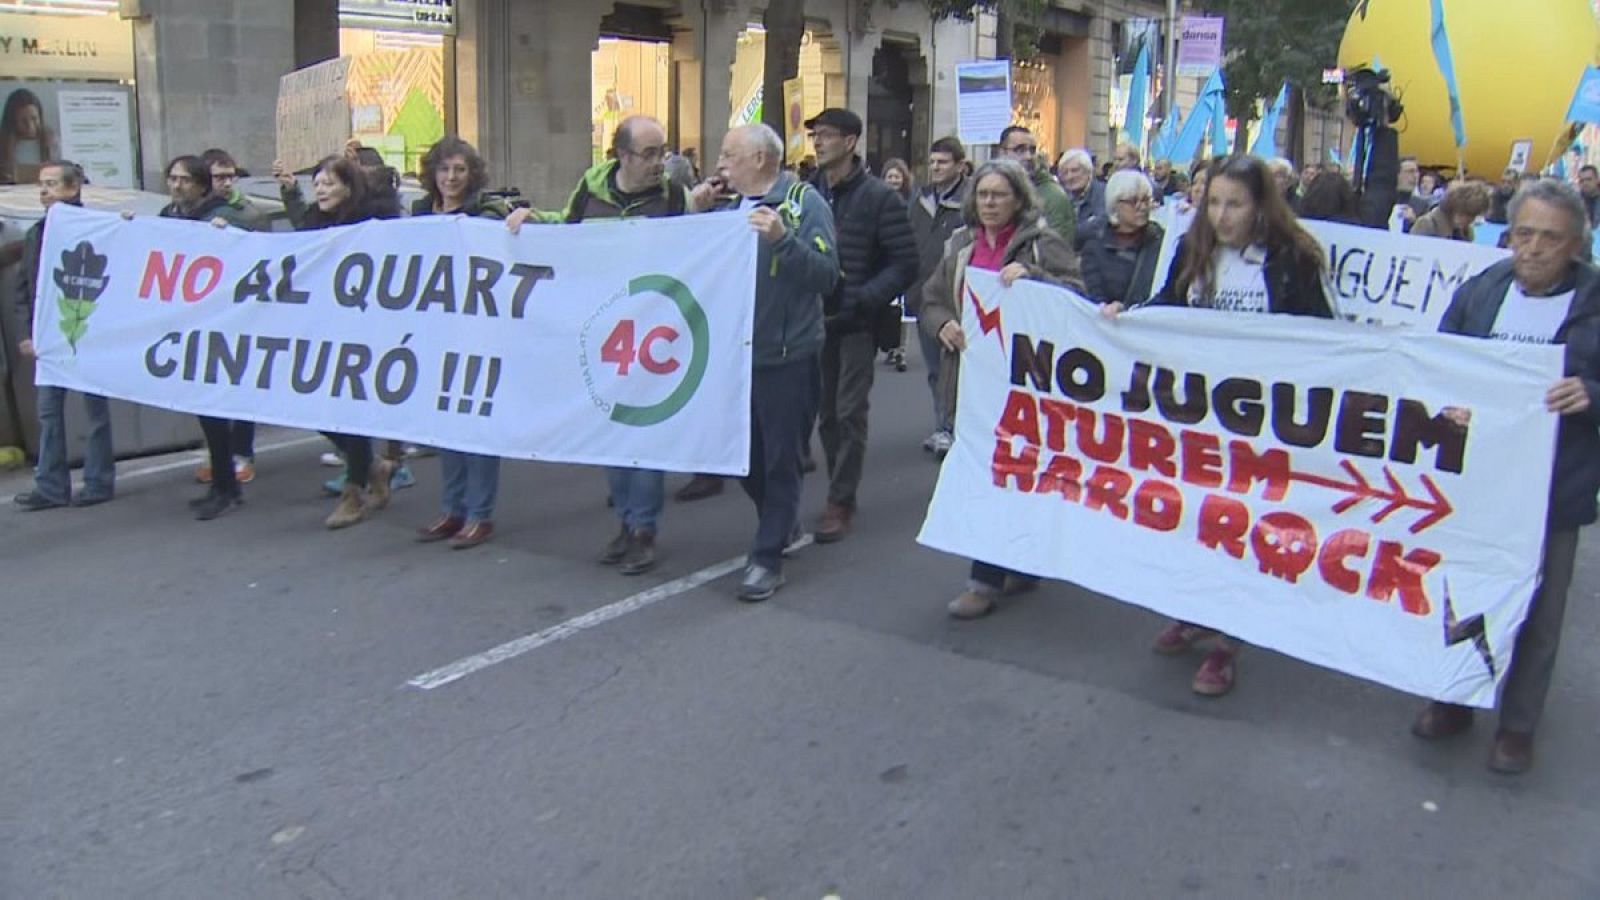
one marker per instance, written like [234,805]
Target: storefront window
[805,95]
[630,78]
[66,90]
[397,91]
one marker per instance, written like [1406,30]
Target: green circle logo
[621,349]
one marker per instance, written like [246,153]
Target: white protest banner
[313,113]
[1377,276]
[620,343]
[1298,483]
[983,100]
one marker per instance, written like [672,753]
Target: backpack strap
[580,200]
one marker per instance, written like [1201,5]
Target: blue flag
[1200,120]
[1586,99]
[1161,144]
[1266,145]
[1447,68]
[1219,126]
[1133,119]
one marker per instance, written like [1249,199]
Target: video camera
[1367,101]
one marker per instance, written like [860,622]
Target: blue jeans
[50,477]
[637,495]
[470,484]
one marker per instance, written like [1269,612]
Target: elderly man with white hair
[1119,255]
[797,263]
[1546,293]
[1088,195]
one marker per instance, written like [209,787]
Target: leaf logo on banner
[81,279]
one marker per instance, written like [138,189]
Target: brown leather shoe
[472,535]
[1442,720]
[1512,753]
[971,605]
[835,523]
[445,528]
[699,488]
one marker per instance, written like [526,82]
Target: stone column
[207,76]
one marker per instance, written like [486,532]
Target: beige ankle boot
[352,508]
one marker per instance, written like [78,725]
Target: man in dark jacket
[1543,294]
[877,262]
[60,182]
[797,264]
[935,215]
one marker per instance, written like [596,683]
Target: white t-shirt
[1241,282]
[1530,320]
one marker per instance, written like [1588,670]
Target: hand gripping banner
[618,343]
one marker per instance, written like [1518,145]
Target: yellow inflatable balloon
[1517,64]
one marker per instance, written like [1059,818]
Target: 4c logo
[657,353]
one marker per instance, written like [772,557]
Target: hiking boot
[1442,720]
[1215,676]
[615,549]
[834,524]
[443,528]
[641,554]
[971,605]
[759,583]
[1512,753]
[472,535]
[378,483]
[352,509]
[699,488]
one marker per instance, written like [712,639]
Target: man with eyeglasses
[60,181]
[240,212]
[631,186]
[877,262]
[1017,143]
[1546,293]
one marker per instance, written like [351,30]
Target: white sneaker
[332,460]
[942,442]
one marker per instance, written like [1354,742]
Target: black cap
[843,119]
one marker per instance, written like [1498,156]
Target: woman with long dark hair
[26,142]
[454,175]
[1244,253]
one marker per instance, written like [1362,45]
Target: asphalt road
[223,710]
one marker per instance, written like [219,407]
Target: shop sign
[427,16]
[43,46]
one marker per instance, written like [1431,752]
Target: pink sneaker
[1215,676]
[1178,637]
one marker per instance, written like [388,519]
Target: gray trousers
[1533,664]
[847,367]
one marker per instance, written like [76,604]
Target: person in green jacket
[1017,143]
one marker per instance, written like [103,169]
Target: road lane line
[190,460]
[461,668]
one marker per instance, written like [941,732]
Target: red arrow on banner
[1394,495]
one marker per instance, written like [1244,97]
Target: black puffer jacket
[1576,475]
[935,216]
[877,255]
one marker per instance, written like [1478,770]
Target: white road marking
[461,668]
[189,459]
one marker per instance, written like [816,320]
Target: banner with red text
[621,343]
[1367,499]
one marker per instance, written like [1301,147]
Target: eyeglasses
[994,196]
[1136,202]
[649,154]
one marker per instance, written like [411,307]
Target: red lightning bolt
[988,319]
